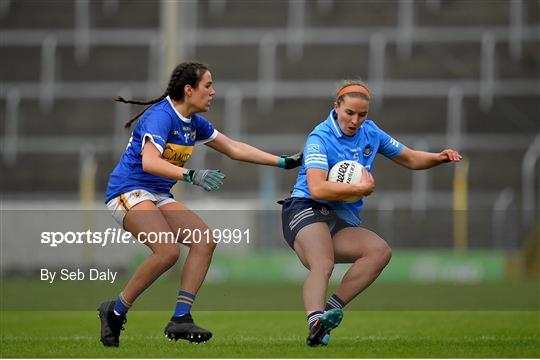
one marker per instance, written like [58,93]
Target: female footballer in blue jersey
[138,194]
[322,228]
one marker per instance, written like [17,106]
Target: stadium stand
[445,73]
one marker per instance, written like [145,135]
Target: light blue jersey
[327,145]
[173,135]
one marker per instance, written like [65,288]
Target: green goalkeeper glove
[209,180]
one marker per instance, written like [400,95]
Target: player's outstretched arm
[240,151]
[153,163]
[419,160]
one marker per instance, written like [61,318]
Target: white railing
[122,114]
[232,119]
[454,117]
[252,36]
[297,89]
[377,58]
[266,73]
[295,36]
[516,28]
[10,145]
[189,32]
[82,30]
[156,76]
[405,28]
[47,73]
[530,182]
[487,71]
[295,28]
[278,142]
[267,42]
[500,217]
[385,218]
[421,185]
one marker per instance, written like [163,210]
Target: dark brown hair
[186,73]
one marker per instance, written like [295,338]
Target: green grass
[397,320]
[21,294]
[238,334]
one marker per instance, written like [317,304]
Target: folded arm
[322,189]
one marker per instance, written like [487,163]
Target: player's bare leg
[369,254]
[141,219]
[200,252]
[195,267]
[145,218]
[313,245]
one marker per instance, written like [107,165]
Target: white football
[347,172]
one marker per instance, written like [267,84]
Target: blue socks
[184,301]
[121,306]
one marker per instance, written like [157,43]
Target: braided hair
[186,73]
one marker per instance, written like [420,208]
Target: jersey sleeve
[315,156]
[388,146]
[155,127]
[205,130]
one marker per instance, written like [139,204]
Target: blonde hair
[366,95]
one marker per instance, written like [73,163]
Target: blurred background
[444,73]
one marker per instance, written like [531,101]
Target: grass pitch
[258,334]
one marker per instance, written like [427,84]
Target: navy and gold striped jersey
[173,135]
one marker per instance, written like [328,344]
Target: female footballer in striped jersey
[321,227]
[138,194]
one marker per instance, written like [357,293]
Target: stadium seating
[82,111]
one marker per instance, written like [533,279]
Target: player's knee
[325,267]
[169,256]
[204,247]
[384,253]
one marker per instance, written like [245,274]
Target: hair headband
[354,88]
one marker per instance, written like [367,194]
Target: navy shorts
[297,213]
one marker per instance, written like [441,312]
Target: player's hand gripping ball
[347,172]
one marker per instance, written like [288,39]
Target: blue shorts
[297,213]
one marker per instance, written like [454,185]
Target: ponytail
[127,125]
[186,73]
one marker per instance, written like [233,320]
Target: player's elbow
[417,165]
[316,193]
[412,162]
[147,164]
[234,152]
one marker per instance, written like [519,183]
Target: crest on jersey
[368,151]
